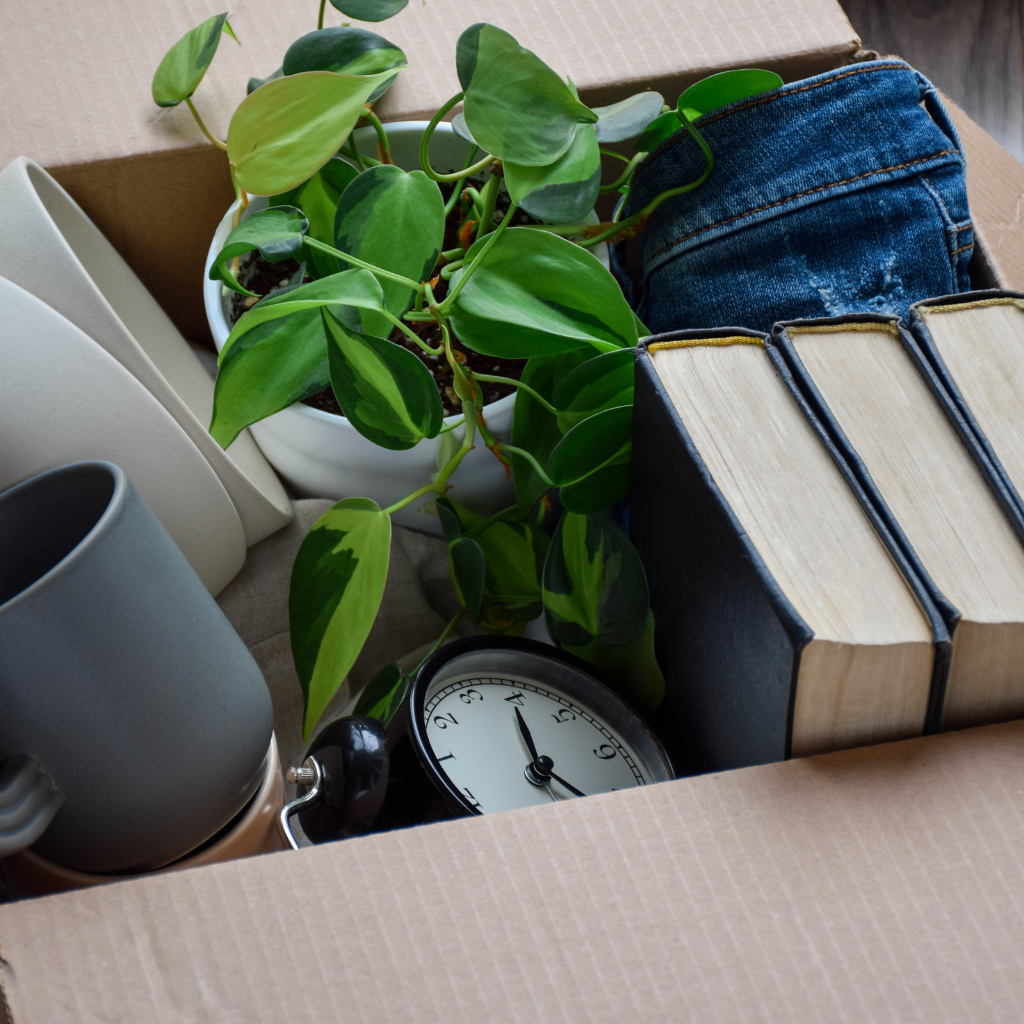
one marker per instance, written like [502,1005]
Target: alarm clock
[489,724]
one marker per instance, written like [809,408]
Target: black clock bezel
[458,803]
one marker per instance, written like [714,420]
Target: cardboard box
[878,884]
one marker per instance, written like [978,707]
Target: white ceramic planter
[50,248]
[322,455]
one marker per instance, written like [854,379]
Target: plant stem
[441,639]
[611,152]
[355,154]
[452,426]
[413,336]
[626,174]
[517,384]
[487,200]
[497,517]
[532,461]
[449,268]
[203,128]
[467,271]
[376,271]
[466,172]
[476,199]
[320,19]
[454,197]
[454,254]
[382,136]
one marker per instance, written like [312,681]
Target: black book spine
[952,397]
[727,637]
[942,615]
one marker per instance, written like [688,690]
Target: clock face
[473,723]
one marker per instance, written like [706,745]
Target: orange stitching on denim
[779,96]
[963,248]
[800,195]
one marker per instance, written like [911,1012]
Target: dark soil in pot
[259,276]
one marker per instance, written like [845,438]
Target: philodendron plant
[371,237]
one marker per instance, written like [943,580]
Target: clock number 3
[441,721]
[606,751]
[470,695]
[564,715]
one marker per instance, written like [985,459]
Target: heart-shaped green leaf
[369,10]
[516,107]
[534,429]
[180,72]
[393,219]
[272,366]
[460,127]
[255,83]
[631,666]
[538,294]
[468,569]
[318,198]
[592,444]
[355,288]
[388,395]
[727,87]
[514,554]
[345,49]
[658,131]
[564,191]
[336,587]
[286,130]
[383,694]
[278,233]
[627,118]
[603,488]
[601,383]
[594,583]
[451,526]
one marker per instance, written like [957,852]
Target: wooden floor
[973,50]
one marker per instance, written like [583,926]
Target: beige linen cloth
[419,600]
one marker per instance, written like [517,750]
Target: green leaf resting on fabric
[387,393]
[727,87]
[336,588]
[627,118]
[182,69]
[515,105]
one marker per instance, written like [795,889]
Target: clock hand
[540,773]
[524,729]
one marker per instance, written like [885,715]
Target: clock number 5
[606,752]
[564,715]
[470,695]
[441,721]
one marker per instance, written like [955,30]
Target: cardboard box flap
[877,884]
[96,103]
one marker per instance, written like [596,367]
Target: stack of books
[832,524]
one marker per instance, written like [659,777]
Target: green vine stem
[454,197]
[202,127]
[320,19]
[466,172]
[490,379]
[441,639]
[488,198]
[452,426]
[376,271]
[383,149]
[449,268]
[531,460]
[412,335]
[626,174]
[611,152]
[496,518]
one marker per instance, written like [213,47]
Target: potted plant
[389,296]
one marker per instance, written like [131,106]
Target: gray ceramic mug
[120,680]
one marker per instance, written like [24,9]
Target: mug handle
[29,801]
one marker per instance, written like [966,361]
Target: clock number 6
[470,695]
[441,721]
[606,752]
[564,715]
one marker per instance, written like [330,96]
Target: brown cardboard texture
[77,92]
[881,884]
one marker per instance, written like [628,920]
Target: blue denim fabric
[837,194]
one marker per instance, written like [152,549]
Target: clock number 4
[606,751]
[516,698]
[441,721]
[564,715]
[473,802]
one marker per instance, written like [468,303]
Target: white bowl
[322,455]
